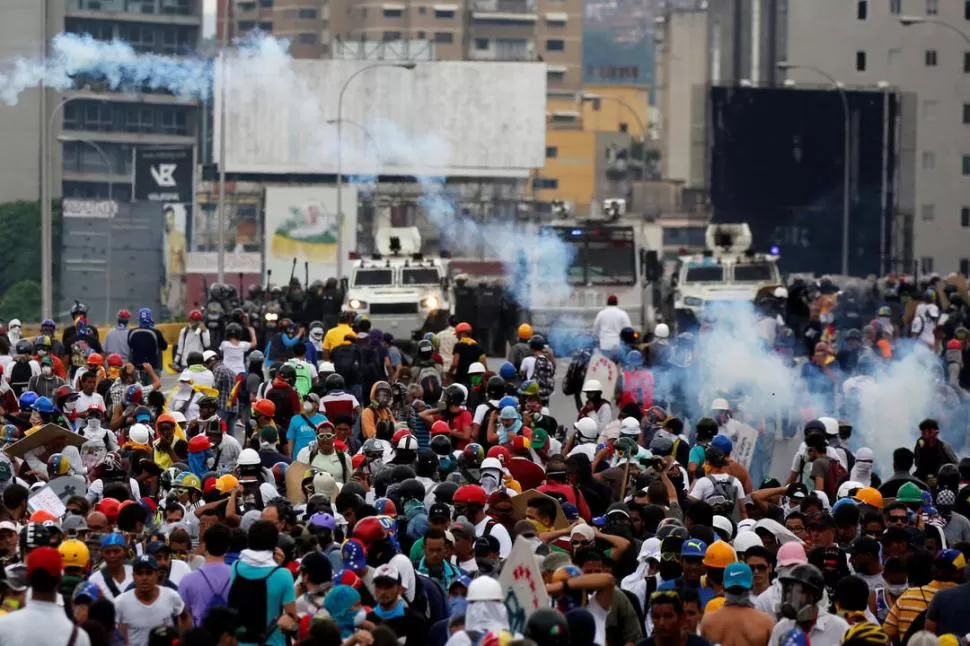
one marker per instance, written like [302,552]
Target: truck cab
[398,288]
[726,272]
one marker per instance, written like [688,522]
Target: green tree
[21,300]
[20,247]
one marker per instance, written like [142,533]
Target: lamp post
[107,262]
[340,184]
[586,98]
[47,217]
[908,21]
[847,153]
[368,137]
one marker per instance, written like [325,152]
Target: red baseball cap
[110,508]
[47,559]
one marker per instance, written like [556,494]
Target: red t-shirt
[458,422]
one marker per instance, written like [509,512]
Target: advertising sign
[164,174]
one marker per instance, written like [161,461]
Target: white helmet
[781,292]
[139,434]
[326,366]
[846,487]
[630,427]
[484,588]
[587,428]
[477,368]
[491,463]
[248,458]
[592,386]
[178,416]
[831,426]
[407,443]
[724,524]
[746,540]
[662,331]
[720,404]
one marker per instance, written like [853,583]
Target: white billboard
[447,118]
[302,224]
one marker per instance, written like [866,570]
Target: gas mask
[94,423]
[798,602]
[490,481]
[383,398]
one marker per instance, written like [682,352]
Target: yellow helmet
[226,483]
[865,633]
[869,496]
[719,555]
[75,553]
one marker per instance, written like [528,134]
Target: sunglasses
[326,436]
[902,520]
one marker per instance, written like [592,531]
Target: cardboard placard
[605,371]
[522,581]
[520,502]
[43,437]
[46,499]
[294,482]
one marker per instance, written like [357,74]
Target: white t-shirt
[481,410]
[232,355]
[85,401]
[703,487]
[177,570]
[98,579]
[599,617]
[501,535]
[528,366]
[139,618]
[342,397]
[587,448]
[830,452]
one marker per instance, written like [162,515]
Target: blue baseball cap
[724,443]
[143,561]
[737,575]
[693,547]
[353,554]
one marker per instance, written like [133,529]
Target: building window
[444,37]
[308,14]
[894,55]
[928,212]
[965,266]
[930,58]
[860,61]
[966,62]
[862,9]
[555,45]
[266,26]
[555,76]
[443,14]
[551,152]
[966,165]
[422,10]
[966,9]
[895,6]
[624,127]
[246,6]
[965,217]
[390,36]
[173,121]
[421,35]
[307,39]
[545,182]
[966,113]
[929,160]
[926,265]
[393,13]
[932,7]
[265,3]
[246,25]
[481,44]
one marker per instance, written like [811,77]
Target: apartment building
[866,44]
[482,30]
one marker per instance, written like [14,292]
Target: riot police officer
[489,311]
[466,300]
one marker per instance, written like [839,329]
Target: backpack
[430,379]
[346,363]
[834,478]
[371,368]
[20,374]
[249,598]
[80,349]
[572,383]
[722,499]
[218,600]
[303,378]
[545,374]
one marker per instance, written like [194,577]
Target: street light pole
[846,154]
[908,21]
[643,153]
[46,215]
[107,261]
[340,183]
[224,81]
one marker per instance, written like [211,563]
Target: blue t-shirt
[301,433]
[279,592]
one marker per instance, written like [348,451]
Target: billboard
[777,164]
[445,118]
[164,174]
[302,224]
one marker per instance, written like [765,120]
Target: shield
[93,453]
[67,486]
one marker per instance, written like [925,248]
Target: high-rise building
[482,30]
[92,131]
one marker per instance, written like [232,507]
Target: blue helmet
[145,317]
[27,400]
[508,400]
[724,443]
[506,371]
[633,359]
[48,323]
[43,405]
[87,590]
[114,539]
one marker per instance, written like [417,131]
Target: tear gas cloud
[884,406]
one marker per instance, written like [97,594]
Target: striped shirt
[910,605]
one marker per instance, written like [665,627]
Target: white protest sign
[744,444]
[605,371]
[46,499]
[522,580]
